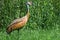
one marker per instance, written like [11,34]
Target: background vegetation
[43,24]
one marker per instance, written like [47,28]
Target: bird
[19,22]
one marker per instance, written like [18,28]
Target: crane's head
[29,3]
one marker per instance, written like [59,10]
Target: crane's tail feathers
[8,31]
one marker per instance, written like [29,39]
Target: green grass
[43,24]
[26,34]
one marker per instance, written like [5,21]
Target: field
[43,24]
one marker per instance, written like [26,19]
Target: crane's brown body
[18,23]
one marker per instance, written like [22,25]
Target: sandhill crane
[20,22]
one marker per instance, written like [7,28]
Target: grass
[43,24]
[26,34]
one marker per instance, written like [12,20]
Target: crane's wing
[16,21]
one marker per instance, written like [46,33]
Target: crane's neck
[27,8]
[28,14]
